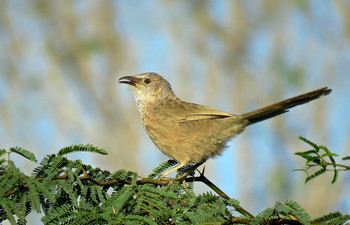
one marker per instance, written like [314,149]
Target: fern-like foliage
[2,152]
[320,156]
[161,168]
[23,152]
[71,192]
[289,211]
[335,218]
[82,148]
[346,158]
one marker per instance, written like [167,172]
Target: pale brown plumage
[192,133]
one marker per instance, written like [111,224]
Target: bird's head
[148,87]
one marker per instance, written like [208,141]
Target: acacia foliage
[70,192]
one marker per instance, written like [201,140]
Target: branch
[211,185]
[162,182]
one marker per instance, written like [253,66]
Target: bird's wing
[185,112]
[201,116]
[189,132]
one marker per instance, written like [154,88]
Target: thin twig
[211,185]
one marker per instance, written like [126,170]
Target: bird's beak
[129,80]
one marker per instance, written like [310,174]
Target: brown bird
[192,133]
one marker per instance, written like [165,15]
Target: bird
[190,133]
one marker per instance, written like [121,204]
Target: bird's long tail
[283,106]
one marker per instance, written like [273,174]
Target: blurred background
[60,61]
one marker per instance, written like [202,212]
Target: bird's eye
[147,81]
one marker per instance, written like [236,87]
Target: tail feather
[283,106]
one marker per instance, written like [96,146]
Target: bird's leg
[166,173]
[188,172]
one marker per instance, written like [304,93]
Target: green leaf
[299,212]
[155,203]
[101,195]
[52,169]
[119,174]
[15,209]
[44,164]
[134,177]
[161,168]
[2,161]
[5,205]
[335,176]
[2,152]
[310,143]
[126,193]
[82,148]
[44,190]
[317,160]
[327,217]
[57,213]
[162,193]
[68,189]
[233,202]
[33,195]
[329,154]
[346,158]
[22,203]
[93,195]
[310,156]
[142,219]
[25,153]
[309,152]
[204,219]
[8,182]
[316,174]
